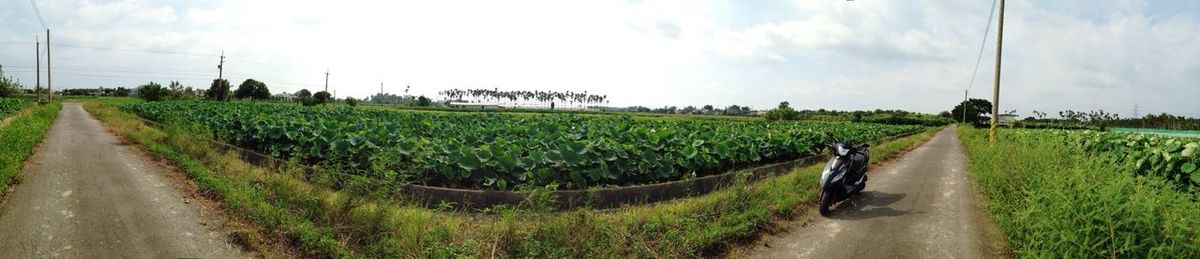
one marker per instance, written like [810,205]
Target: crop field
[1086,194]
[1163,157]
[11,105]
[502,151]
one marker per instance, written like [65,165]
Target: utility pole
[49,84]
[221,67]
[964,105]
[1135,111]
[326,80]
[37,90]
[996,85]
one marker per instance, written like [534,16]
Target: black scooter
[845,175]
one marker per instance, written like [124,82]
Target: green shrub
[783,112]
[152,92]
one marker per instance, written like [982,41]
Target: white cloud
[915,55]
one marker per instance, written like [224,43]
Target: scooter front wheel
[826,200]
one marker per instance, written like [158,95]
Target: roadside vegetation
[21,136]
[1077,194]
[354,222]
[12,105]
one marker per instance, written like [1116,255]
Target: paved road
[88,196]
[920,206]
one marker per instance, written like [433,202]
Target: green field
[501,150]
[12,105]
[326,221]
[1084,194]
[1170,133]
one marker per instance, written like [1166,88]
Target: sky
[915,55]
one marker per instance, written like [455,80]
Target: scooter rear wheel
[826,200]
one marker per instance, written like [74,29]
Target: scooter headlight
[842,151]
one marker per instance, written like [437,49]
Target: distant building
[474,106]
[283,97]
[1007,119]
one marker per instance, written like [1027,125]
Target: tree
[975,109]
[219,90]
[688,110]
[304,97]
[9,88]
[176,91]
[253,89]
[244,90]
[351,101]
[733,110]
[152,92]
[121,92]
[261,92]
[422,101]
[322,97]
[707,109]
[783,112]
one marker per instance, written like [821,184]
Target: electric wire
[135,50]
[982,44]
[38,11]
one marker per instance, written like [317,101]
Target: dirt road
[85,195]
[920,206]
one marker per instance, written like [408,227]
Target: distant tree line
[531,98]
[406,100]
[895,117]
[732,110]
[1099,119]
[1159,121]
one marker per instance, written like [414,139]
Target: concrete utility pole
[996,87]
[326,80]
[38,70]
[221,66]
[49,84]
[964,105]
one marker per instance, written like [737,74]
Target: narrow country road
[85,195]
[919,206]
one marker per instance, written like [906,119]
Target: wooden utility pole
[49,84]
[221,67]
[37,89]
[996,85]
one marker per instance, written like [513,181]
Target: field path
[85,195]
[919,206]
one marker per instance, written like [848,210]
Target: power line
[124,71]
[120,76]
[135,50]
[982,43]
[978,59]
[38,11]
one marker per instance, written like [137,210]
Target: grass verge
[20,137]
[345,223]
[1052,200]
